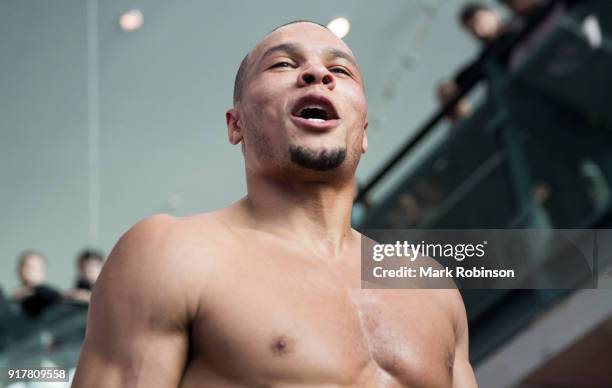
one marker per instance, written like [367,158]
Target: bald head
[242,73]
[299,64]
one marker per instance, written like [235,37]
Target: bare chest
[299,323]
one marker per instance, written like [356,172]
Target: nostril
[327,79]
[308,78]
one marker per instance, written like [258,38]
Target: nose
[317,74]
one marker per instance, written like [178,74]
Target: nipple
[282,345]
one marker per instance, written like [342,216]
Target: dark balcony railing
[535,153]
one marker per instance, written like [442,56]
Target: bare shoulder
[144,303]
[164,228]
[162,237]
[165,250]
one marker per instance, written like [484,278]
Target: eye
[340,70]
[281,64]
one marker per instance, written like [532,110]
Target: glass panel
[536,153]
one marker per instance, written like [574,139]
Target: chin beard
[323,160]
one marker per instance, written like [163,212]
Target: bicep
[145,360]
[136,329]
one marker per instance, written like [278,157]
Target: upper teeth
[312,107]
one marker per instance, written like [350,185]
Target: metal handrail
[433,121]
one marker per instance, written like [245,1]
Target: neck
[318,215]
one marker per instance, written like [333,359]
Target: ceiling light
[339,26]
[131,20]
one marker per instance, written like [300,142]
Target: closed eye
[339,70]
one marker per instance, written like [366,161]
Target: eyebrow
[337,53]
[293,48]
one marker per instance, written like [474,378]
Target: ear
[364,141]
[234,128]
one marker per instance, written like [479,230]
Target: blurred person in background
[485,25]
[544,14]
[446,91]
[34,294]
[524,8]
[89,264]
[482,22]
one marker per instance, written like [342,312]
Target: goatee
[324,160]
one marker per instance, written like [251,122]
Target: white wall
[156,122]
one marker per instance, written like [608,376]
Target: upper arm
[137,326]
[463,374]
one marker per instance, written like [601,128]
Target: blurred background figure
[446,91]
[524,7]
[33,294]
[485,25]
[545,14]
[89,264]
[482,22]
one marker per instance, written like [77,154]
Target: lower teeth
[317,120]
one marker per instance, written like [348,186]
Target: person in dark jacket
[34,294]
[89,265]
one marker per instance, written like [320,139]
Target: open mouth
[315,109]
[314,114]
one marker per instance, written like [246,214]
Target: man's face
[303,103]
[484,25]
[33,271]
[90,270]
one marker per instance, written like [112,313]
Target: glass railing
[51,339]
[535,153]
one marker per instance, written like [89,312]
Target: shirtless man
[266,293]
